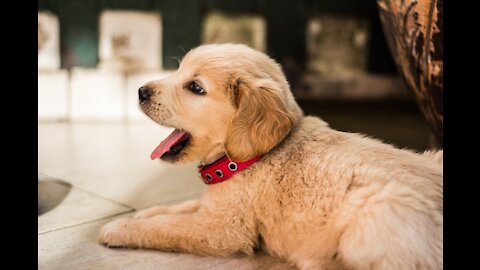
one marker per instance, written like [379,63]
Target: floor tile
[112,160]
[76,206]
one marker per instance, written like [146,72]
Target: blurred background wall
[93,55]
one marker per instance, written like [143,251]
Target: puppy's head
[223,99]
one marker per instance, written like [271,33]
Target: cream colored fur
[319,198]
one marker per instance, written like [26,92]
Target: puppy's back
[323,183]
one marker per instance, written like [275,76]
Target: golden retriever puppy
[317,197]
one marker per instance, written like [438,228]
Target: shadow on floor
[51,193]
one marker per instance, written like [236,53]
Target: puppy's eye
[195,88]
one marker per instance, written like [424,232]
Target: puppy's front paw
[115,233]
[152,211]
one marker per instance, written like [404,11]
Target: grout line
[98,195]
[85,190]
[110,216]
[86,222]
[122,204]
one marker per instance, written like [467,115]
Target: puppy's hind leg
[393,229]
[182,208]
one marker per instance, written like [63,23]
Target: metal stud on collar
[209,177]
[219,173]
[232,166]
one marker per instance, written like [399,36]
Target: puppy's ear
[260,122]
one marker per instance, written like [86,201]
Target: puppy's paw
[152,211]
[115,233]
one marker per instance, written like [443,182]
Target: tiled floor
[77,207]
[106,172]
[113,161]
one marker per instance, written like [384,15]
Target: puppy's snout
[143,93]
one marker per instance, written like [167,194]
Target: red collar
[223,169]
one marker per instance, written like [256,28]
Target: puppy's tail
[436,155]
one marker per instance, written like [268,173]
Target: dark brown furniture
[414,32]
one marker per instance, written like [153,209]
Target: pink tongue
[175,137]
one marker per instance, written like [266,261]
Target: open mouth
[172,146]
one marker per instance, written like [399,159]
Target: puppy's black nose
[143,93]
